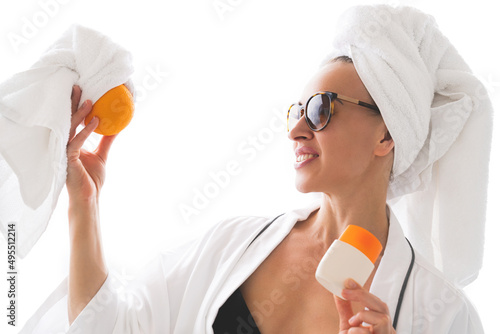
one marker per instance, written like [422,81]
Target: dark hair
[343,59]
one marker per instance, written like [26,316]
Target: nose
[300,131]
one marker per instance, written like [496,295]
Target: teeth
[305,157]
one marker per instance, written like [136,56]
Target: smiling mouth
[303,157]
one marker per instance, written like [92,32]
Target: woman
[250,274]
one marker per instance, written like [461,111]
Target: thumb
[103,147]
[344,309]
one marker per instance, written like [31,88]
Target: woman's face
[348,149]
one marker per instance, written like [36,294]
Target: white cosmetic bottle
[351,256]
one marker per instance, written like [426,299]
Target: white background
[220,81]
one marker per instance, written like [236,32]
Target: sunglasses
[319,109]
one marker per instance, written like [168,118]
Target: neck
[366,209]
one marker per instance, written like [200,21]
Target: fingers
[79,116]
[359,330]
[358,294]
[376,319]
[76,143]
[76,94]
[344,309]
[377,313]
[104,145]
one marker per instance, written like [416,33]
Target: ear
[385,145]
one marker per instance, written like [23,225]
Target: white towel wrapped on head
[440,118]
[35,119]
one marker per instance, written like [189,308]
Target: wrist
[82,207]
[83,217]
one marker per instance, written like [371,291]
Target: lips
[304,155]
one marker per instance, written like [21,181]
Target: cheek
[349,152]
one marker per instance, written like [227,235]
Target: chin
[305,186]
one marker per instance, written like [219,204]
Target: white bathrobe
[182,290]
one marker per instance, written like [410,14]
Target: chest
[284,296]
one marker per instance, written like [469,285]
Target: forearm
[88,269]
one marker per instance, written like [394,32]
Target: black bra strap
[265,227]
[403,288]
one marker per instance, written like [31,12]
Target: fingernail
[351,284]
[94,119]
[352,319]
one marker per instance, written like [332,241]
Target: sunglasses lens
[293,116]
[318,111]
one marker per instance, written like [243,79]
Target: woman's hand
[377,315]
[86,170]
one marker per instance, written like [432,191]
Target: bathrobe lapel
[391,273]
[252,255]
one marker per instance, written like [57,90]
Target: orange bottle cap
[363,240]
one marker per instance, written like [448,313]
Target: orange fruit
[114,110]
